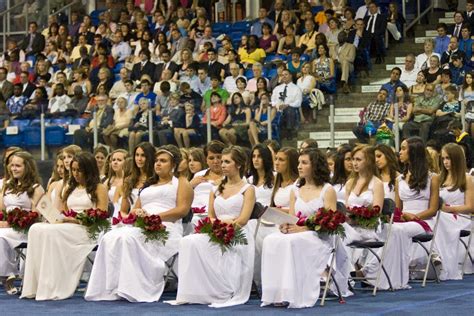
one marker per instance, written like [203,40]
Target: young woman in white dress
[57,252]
[6,161]
[457,192]
[206,275]
[126,266]
[197,161]
[100,155]
[205,181]
[261,173]
[290,272]
[115,177]
[22,190]
[363,188]
[262,178]
[142,169]
[286,168]
[342,171]
[56,180]
[387,164]
[56,189]
[416,194]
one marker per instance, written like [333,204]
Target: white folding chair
[463,234]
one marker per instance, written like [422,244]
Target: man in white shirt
[409,72]
[229,82]
[120,50]
[362,11]
[130,95]
[60,102]
[119,86]
[287,98]
[257,70]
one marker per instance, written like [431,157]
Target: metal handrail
[14,7]
[66,7]
[419,15]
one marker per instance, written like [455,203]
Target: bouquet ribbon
[397,218]
[198,210]
[130,219]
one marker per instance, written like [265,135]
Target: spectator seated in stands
[447,56]
[447,112]
[84,138]
[424,110]
[258,127]
[257,25]
[119,128]
[144,67]
[323,68]
[60,102]
[79,102]
[251,54]
[423,59]
[36,105]
[289,42]
[409,72]
[442,40]
[432,74]
[372,117]
[405,108]
[215,88]
[236,125]
[457,68]
[218,114]
[268,41]
[465,41]
[165,77]
[307,42]
[119,86]
[17,101]
[145,87]
[462,138]
[171,117]
[230,83]
[345,57]
[359,37]
[190,125]
[188,95]
[33,43]
[287,98]
[139,125]
[120,49]
[392,85]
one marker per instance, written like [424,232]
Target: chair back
[388,207]
[341,207]
[258,210]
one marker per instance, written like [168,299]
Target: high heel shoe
[9,287]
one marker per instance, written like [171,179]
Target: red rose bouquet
[70,213]
[21,220]
[365,216]
[129,220]
[326,222]
[95,220]
[152,227]
[224,235]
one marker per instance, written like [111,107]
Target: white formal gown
[447,238]
[127,267]
[208,276]
[293,264]
[9,239]
[389,191]
[282,199]
[57,254]
[401,251]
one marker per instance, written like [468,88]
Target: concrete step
[327,135]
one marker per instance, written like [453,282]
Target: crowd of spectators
[169,63]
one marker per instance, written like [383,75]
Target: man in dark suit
[360,38]
[144,67]
[214,68]
[376,25]
[34,42]
[28,87]
[455,29]
[6,87]
[469,14]
[275,14]
[165,64]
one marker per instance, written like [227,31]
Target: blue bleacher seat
[272,57]
[117,67]
[236,35]
[221,27]
[37,122]
[62,121]
[80,121]
[242,26]
[55,136]
[32,136]
[12,140]
[305,58]
[248,74]
[20,123]
[95,16]
[317,9]
[271,73]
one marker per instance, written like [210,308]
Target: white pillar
[251,8]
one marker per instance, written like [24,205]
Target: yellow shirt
[256,56]
[308,39]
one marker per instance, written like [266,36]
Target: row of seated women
[286,261]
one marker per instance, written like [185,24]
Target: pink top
[218,115]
